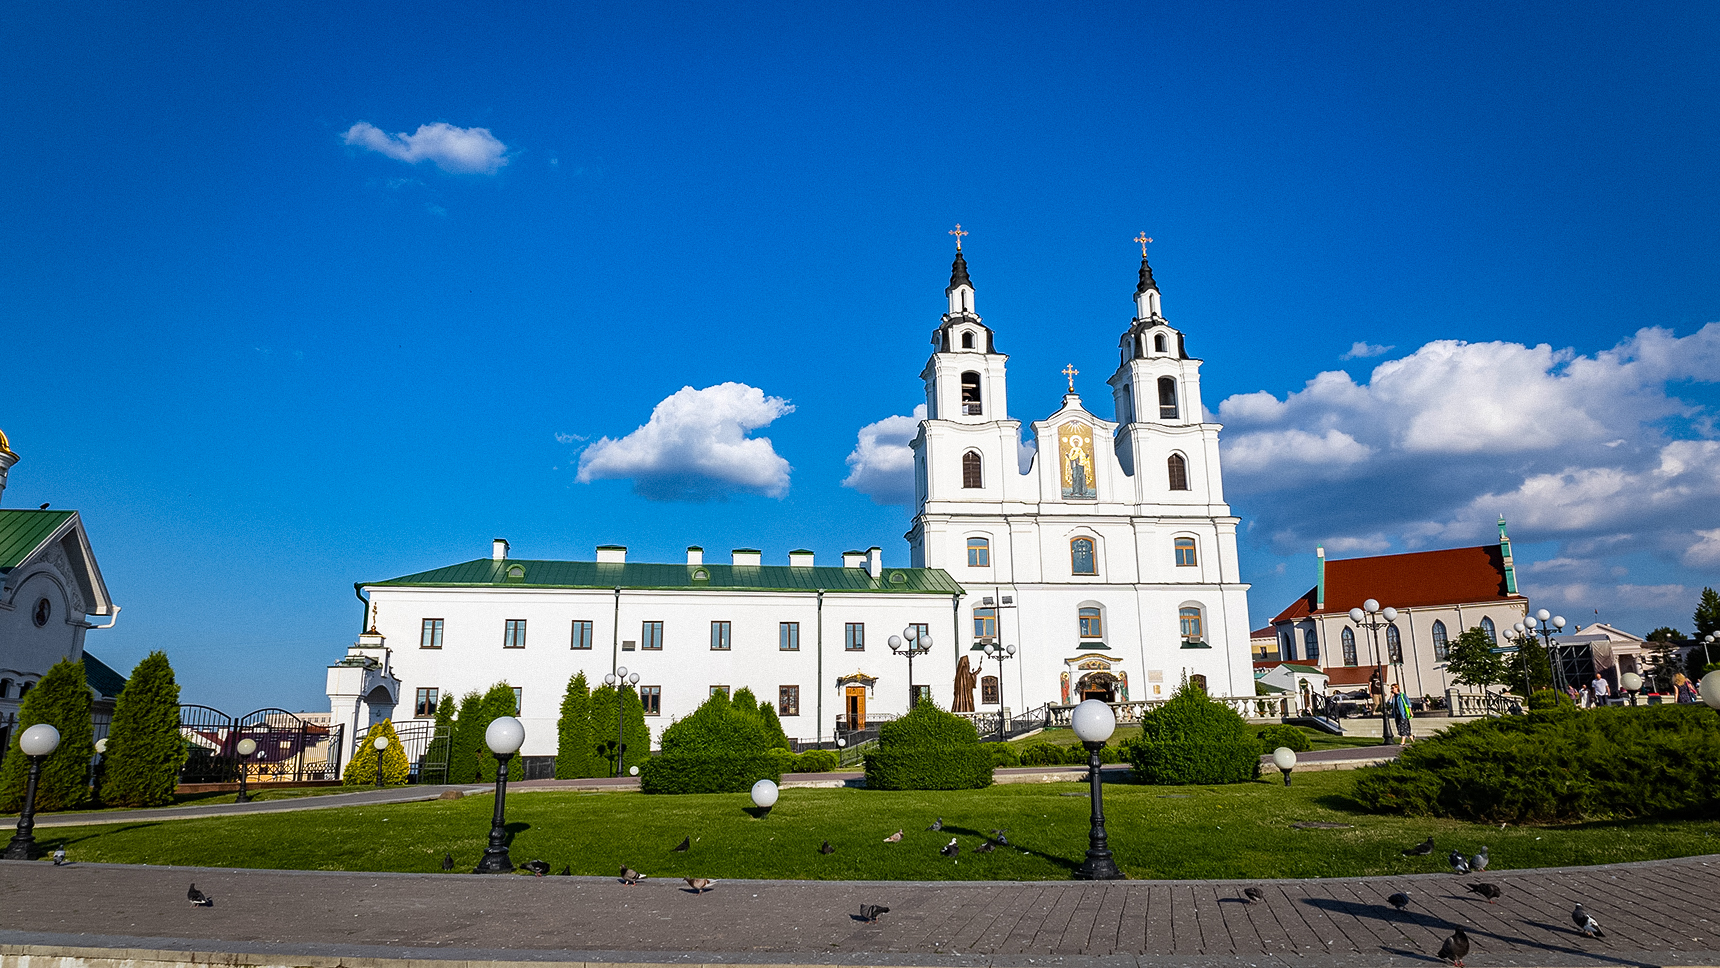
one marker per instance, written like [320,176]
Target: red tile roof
[1415,580]
[1300,608]
[1266,633]
[1350,675]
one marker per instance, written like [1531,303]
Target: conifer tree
[441,744]
[145,749]
[767,713]
[361,771]
[499,701]
[468,740]
[574,756]
[1707,613]
[61,699]
[634,733]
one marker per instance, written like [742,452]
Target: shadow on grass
[1065,863]
[515,829]
[55,838]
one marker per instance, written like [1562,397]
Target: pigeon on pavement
[950,849]
[699,884]
[629,876]
[937,824]
[1455,947]
[537,868]
[870,912]
[200,899]
[447,862]
[1399,900]
[894,838]
[985,848]
[1489,891]
[686,842]
[59,856]
[1458,864]
[827,849]
[1586,923]
[1253,894]
[1420,850]
[1478,863]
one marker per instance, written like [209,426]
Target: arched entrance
[1096,685]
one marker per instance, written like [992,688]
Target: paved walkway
[1657,913]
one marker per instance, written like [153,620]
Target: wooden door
[856,707]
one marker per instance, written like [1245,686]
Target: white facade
[1101,521]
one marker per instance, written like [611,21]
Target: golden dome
[5,447]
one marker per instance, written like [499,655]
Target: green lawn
[1062,736]
[1237,831]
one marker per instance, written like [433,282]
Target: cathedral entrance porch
[1097,685]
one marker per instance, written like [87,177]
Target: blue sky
[270,347]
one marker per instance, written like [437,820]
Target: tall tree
[499,701]
[1471,660]
[574,755]
[1665,648]
[61,699]
[1707,613]
[441,744]
[145,749]
[1531,656]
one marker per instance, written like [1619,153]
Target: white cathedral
[1102,571]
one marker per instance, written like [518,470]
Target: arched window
[1185,552]
[1128,409]
[1441,649]
[1081,558]
[971,402]
[1092,625]
[5,688]
[971,472]
[1349,639]
[1159,342]
[1177,467]
[1311,645]
[24,688]
[1487,626]
[967,340]
[979,552]
[1167,398]
[1190,625]
[1394,644]
[1286,645]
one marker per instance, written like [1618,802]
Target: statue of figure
[966,676]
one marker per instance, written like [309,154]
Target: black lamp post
[1285,759]
[998,651]
[620,679]
[1094,723]
[37,743]
[379,744]
[918,643]
[244,748]
[504,737]
[1373,618]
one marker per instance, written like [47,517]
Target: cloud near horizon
[458,151]
[695,447]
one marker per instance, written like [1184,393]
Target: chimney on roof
[853,559]
[800,558]
[612,554]
[695,555]
[875,561]
[747,556]
[499,549]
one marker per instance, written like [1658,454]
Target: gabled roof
[1266,633]
[1418,579]
[524,573]
[26,534]
[1299,609]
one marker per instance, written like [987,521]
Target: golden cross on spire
[958,233]
[1142,238]
[1070,371]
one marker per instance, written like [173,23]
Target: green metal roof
[1304,669]
[101,677]
[523,573]
[23,531]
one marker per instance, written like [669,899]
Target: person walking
[1398,705]
[1599,690]
[1683,688]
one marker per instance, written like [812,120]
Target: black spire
[958,273]
[1146,278]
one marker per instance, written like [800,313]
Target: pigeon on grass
[950,849]
[1400,900]
[200,899]
[699,884]
[827,849]
[1478,863]
[1420,850]
[1455,948]
[1586,923]
[447,862]
[937,824]
[630,877]
[1458,864]
[59,857]
[685,844]
[1489,891]
[985,848]
[536,868]
[894,838]
[1254,895]
[870,912]
[1001,837]
[566,871]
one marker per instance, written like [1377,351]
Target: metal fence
[289,749]
[426,750]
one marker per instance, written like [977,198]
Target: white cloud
[1361,351]
[1706,550]
[459,151]
[881,466]
[695,447]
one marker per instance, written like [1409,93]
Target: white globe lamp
[39,740]
[504,736]
[1285,759]
[764,794]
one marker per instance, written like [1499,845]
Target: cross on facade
[958,233]
[1142,238]
[1070,371]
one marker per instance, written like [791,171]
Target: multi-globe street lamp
[1094,722]
[1373,618]
[620,679]
[997,650]
[504,737]
[1546,624]
[37,743]
[910,643]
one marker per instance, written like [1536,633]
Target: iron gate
[289,749]
[426,750]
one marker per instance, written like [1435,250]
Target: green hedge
[1280,734]
[1067,754]
[1556,765]
[817,761]
[928,749]
[1003,754]
[708,772]
[1192,739]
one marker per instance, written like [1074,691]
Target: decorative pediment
[857,678]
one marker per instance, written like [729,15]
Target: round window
[44,609]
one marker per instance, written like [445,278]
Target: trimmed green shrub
[62,699]
[145,749]
[1044,754]
[709,772]
[725,746]
[361,770]
[1282,734]
[1557,765]
[928,749]
[818,761]
[575,756]
[1192,739]
[1550,699]
[1003,754]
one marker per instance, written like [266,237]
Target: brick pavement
[1655,913]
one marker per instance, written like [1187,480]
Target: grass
[1237,831]
[1063,736]
[258,792]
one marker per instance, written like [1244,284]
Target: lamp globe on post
[1632,684]
[1094,723]
[37,743]
[1709,690]
[244,748]
[504,737]
[1285,759]
[380,744]
[764,794]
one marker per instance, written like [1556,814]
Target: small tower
[964,378]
